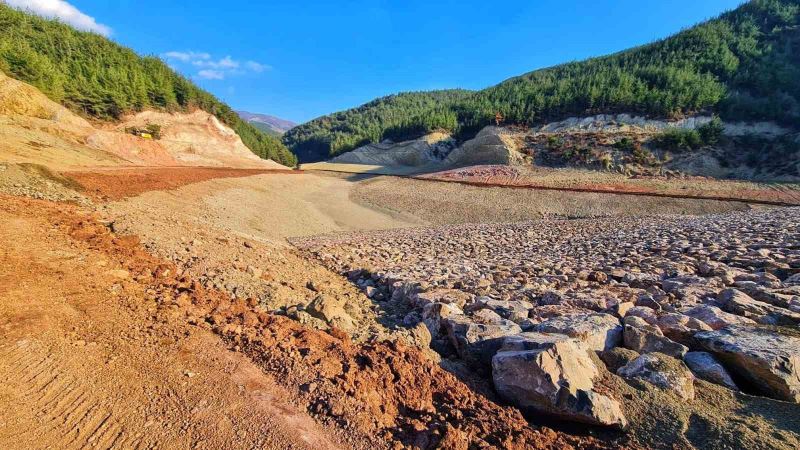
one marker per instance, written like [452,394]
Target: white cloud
[60,9]
[211,68]
[257,67]
[187,56]
[209,74]
[226,63]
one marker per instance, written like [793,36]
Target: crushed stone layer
[667,283]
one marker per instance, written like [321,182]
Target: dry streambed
[683,330]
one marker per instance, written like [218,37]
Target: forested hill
[743,65]
[98,78]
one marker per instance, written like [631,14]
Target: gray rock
[331,310]
[433,313]
[645,312]
[715,317]
[680,328]
[558,379]
[768,357]
[706,367]
[645,339]
[662,371]
[742,304]
[476,343]
[515,311]
[599,331]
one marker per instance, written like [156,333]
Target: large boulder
[552,374]
[662,371]
[706,367]
[715,317]
[680,327]
[332,310]
[476,343]
[434,313]
[769,357]
[642,337]
[513,310]
[598,331]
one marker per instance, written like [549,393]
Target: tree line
[743,65]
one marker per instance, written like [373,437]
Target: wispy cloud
[257,67]
[187,56]
[210,74]
[62,10]
[210,68]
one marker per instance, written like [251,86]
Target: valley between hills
[499,269]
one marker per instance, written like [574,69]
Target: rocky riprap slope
[661,300]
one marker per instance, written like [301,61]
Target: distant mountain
[267,123]
[743,65]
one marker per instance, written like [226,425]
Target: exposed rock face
[552,374]
[598,331]
[706,367]
[616,123]
[492,145]
[662,371]
[415,153]
[769,358]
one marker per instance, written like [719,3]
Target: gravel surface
[661,279]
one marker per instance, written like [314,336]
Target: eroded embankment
[386,392]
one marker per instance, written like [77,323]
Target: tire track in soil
[88,362]
[66,410]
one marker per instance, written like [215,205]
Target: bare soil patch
[91,357]
[119,183]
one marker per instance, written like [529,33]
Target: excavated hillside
[36,130]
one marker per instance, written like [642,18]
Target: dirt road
[87,361]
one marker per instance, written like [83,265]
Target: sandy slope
[267,207]
[34,129]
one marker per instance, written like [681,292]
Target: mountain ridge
[274,123]
[742,65]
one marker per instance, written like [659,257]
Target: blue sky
[299,60]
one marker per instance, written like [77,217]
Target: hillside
[101,80]
[37,130]
[271,125]
[743,65]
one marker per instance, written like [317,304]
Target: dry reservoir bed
[682,329]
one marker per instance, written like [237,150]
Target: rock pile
[715,298]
